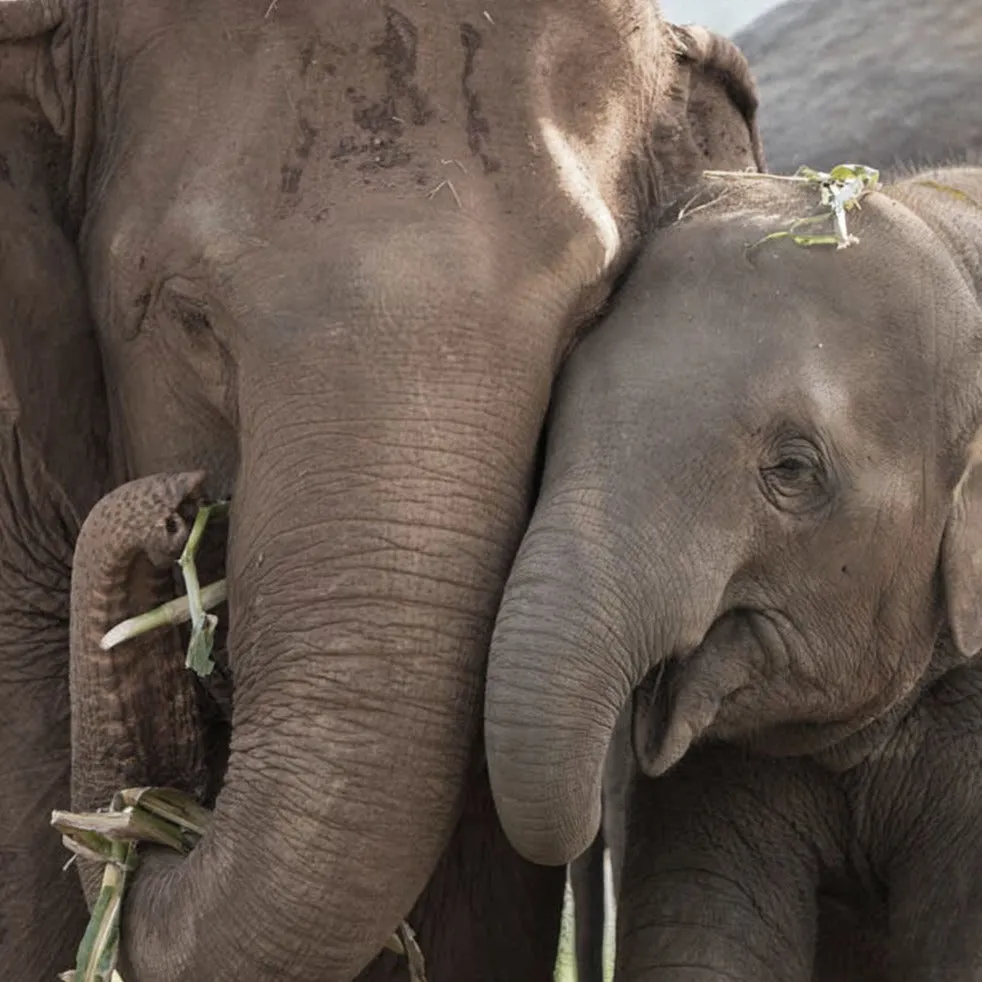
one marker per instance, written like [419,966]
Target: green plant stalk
[98,952]
[840,190]
[173,612]
[203,625]
[167,817]
[410,948]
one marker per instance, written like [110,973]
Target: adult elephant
[885,82]
[334,254]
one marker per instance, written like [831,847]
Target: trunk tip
[546,837]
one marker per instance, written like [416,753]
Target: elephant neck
[870,741]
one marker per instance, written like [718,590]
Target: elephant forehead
[583,176]
[203,223]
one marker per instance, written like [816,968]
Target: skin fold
[334,255]
[758,525]
[836,84]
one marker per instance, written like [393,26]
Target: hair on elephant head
[760,510]
[334,254]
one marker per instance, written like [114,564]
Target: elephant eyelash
[796,479]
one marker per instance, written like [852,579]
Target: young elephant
[761,515]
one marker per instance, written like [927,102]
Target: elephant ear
[25,77]
[709,121]
[23,19]
[961,555]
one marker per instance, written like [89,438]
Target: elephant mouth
[735,686]
[689,693]
[215,690]
[654,741]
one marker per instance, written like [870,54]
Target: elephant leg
[925,809]
[42,911]
[936,909]
[723,860]
[487,915]
[124,566]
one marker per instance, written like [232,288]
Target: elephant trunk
[134,709]
[372,525]
[575,635]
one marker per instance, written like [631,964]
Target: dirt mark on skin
[398,53]
[5,171]
[311,48]
[477,126]
[290,173]
[403,103]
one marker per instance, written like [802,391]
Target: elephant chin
[659,737]
[684,697]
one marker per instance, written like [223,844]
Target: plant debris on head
[840,190]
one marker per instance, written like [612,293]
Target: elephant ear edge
[961,555]
[720,83]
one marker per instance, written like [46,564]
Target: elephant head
[760,510]
[335,253]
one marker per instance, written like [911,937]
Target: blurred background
[724,16]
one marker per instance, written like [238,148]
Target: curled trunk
[563,662]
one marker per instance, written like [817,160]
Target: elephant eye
[794,479]
[791,467]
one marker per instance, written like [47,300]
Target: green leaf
[167,817]
[815,240]
[947,189]
[840,191]
[200,646]
[127,825]
[203,625]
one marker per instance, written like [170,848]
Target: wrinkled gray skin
[53,467]
[759,523]
[881,82]
[780,870]
[334,254]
